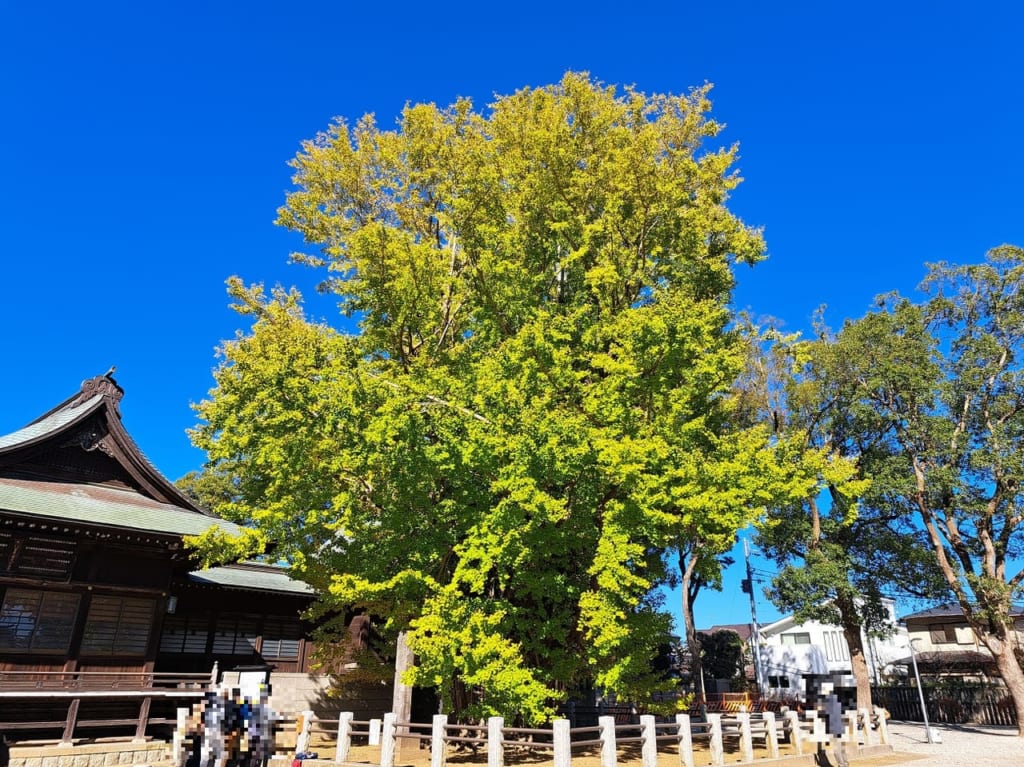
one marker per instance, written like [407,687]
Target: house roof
[948,611]
[948,660]
[254,576]
[743,629]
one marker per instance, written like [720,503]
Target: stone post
[438,751]
[715,743]
[387,741]
[303,728]
[771,735]
[344,736]
[495,742]
[648,741]
[562,743]
[609,752]
[685,735]
[746,736]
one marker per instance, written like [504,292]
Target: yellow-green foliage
[536,405]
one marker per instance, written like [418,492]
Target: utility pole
[755,636]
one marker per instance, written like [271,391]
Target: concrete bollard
[684,733]
[746,736]
[865,725]
[374,736]
[562,743]
[387,741]
[883,726]
[609,751]
[344,736]
[178,749]
[648,741]
[495,742]
[715,744]
[438,751]
[771,735]
[851,730]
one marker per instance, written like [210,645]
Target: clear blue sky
[145,145]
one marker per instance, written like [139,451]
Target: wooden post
[344,736]
[179,751]
[607,734]
[715,731]
[374,735]
[140,727]
[771,734]
[796,733]
[746,736]
[685,735]
[303,729]
[438,750]
[563,746]
[648,741]
[495,742]
[67,739]
[387,741]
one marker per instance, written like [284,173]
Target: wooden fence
[960,704]
[749,735]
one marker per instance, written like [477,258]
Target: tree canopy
[536,407]
[928,398]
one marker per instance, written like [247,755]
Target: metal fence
[949,704]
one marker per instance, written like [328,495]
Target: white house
[792,653]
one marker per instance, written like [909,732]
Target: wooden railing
[93,681]
[60,704]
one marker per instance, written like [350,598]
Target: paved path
[962,746]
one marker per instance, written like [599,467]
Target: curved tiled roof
[104,506]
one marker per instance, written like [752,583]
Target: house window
[835,646]
[117,626]
[796,637]
[37,620]
[942,633]
[281,640]
[185,634]
[234,635]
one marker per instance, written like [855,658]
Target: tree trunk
[851,624]
[687,570]
[1013,676]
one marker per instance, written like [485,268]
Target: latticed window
[185,634]
[118,626]
[281,640]
[33,620]
[39,556]
[235,635]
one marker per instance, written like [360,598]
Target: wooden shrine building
[97,591]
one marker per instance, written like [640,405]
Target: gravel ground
[962,745]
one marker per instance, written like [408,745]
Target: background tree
[942,384]
[536,406]
[722,655]
[840,549]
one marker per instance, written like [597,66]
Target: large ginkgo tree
[534,413]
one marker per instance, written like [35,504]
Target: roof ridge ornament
[102,384]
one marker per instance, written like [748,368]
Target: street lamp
[920,690]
